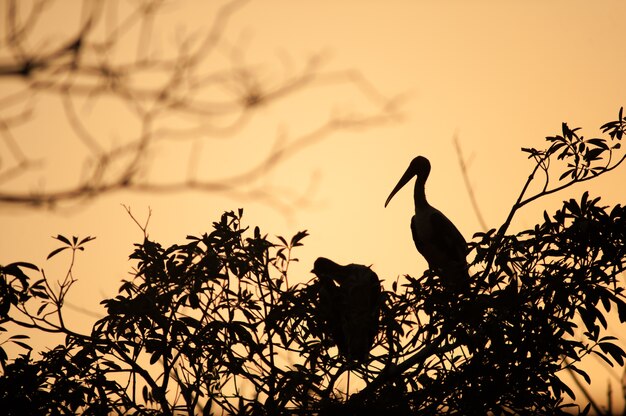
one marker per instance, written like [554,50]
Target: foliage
[212,325]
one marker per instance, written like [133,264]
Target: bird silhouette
[435,236]
[349,306]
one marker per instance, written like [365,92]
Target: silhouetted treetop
[211,325]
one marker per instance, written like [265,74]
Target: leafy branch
[586,159]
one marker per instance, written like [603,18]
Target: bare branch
[191,94]
[144,227]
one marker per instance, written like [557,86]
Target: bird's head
[420,167]
[326,269]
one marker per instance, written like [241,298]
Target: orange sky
[500,75]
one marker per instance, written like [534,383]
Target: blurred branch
[110,63]
[583,388]
[233,186]
[463,164]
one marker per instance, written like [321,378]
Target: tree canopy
[212,325]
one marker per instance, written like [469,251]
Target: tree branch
[189,96]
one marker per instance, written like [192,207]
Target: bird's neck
[420,194]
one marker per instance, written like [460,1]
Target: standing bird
[435,236]
[349,306]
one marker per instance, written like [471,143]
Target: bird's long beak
[408,175]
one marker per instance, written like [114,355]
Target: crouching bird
[349,306]
[435,236]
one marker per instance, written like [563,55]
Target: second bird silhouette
[435,236]
[349,306]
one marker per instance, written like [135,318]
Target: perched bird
[349,306]
[435,236]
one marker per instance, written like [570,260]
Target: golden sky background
[498,75]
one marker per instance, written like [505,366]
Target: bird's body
[435,236]
[349,304]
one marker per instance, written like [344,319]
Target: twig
[144,227]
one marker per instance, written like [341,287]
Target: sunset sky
[497,75]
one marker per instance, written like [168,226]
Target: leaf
[155,356]
[41,308]
[532,151]
[614,351]
[23,345]
[55,252]
[556,146]
[14,270]
[113,366]
[607,338]
[606,301]
[194,302]
[621,309]
[593,154]
[63,239]
[144,393]
[582,373]
[191,322]
[585,411]
[599,143]
[26,265]
[295,240]
[566,173]
[588,317]
[566,131]
[86,239]
[558,387]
